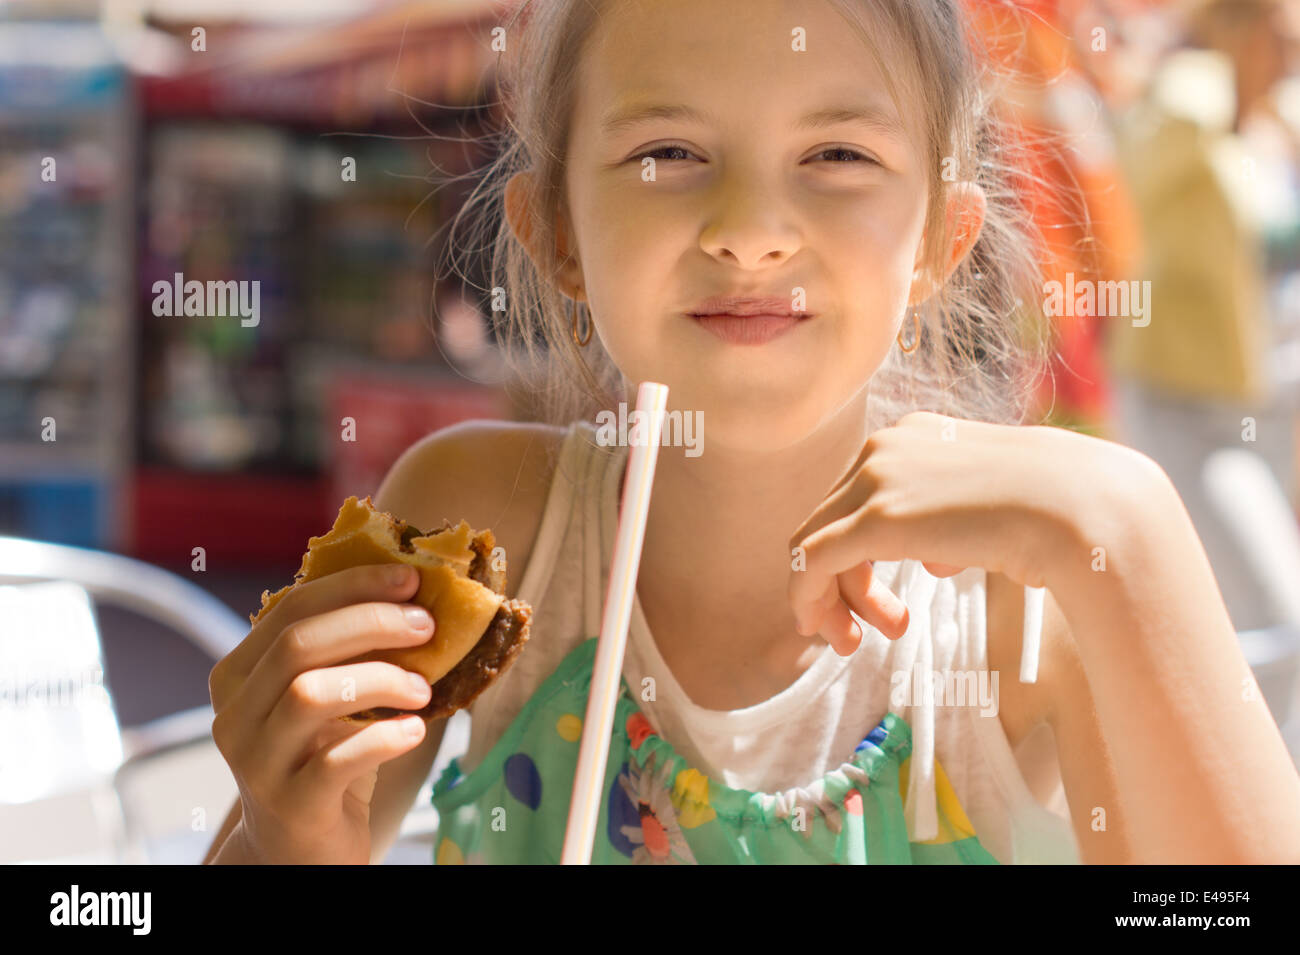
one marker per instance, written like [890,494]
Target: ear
[964,213]
[519,214]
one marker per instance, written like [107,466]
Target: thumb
[363,787]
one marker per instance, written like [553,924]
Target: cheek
[870,254]
[630,255]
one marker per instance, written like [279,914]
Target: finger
[942,570]
[391,582]
[811,623]
[822,516]
[831,551]
[859,459]
[332,771]
[330,733]
[332,638]
[869,597]
[319,697]
[840,630]
[849,496]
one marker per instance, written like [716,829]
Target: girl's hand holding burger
[306,777]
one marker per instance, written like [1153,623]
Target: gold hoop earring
[573,325]
[916,320]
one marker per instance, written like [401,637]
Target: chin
[767,424]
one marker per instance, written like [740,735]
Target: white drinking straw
[593,752]
[1033,633]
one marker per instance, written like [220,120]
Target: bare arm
[396,787]
[500,477]
[1087,766]
[398,784]
[1061,698]
[227,827]
[493,475]
[1203,773]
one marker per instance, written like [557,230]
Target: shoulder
[494,474]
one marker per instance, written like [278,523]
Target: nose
[749,229]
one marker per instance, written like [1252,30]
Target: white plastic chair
[75,785]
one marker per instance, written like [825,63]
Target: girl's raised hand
[948,492]
[305,777]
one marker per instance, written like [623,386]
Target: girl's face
[764,183]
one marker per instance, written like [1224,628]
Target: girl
[822,664]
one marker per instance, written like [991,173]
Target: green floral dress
[513,808]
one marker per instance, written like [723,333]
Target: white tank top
[808,729]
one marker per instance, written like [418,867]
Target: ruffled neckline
[890,741]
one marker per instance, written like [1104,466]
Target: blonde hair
[982,348]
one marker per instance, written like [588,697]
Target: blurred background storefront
[175,141]
[293,143]
[295,154]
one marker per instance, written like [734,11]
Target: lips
[747,329]
[745,305]
[746,319]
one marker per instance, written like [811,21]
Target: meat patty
[494,652]
[501,642]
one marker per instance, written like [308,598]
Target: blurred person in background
[1056,99]
[1211,160]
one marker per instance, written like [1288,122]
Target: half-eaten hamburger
[478,632]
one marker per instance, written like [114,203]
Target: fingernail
[417,618]
[412,727]
[418,681]
[400,574]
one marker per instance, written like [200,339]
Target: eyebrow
[619,120]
